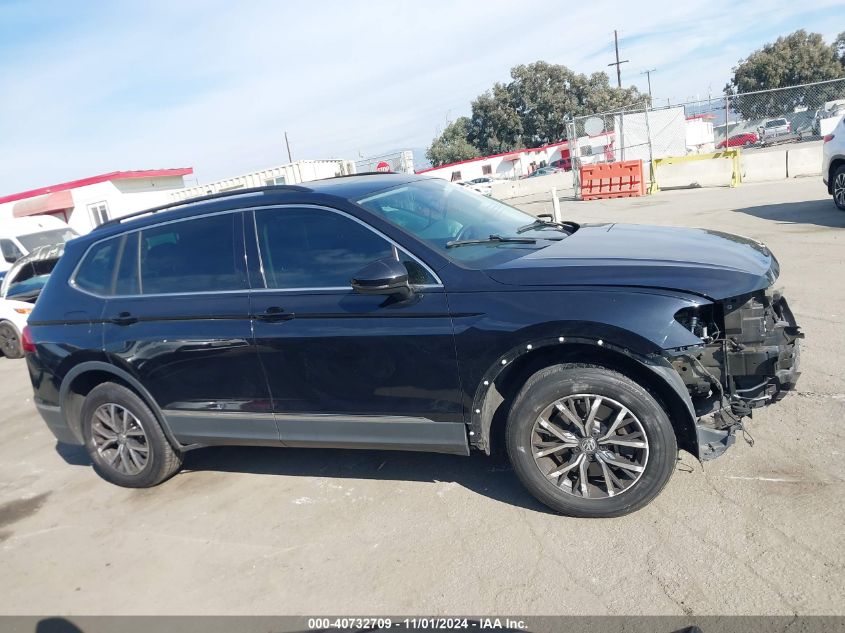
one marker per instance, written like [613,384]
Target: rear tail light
[27,343]
[828,138]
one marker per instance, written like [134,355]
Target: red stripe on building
[93,180]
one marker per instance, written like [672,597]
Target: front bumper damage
[754,361]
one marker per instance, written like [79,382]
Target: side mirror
[11,259]
[383,277]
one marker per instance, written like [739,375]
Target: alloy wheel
[839,190]
[9,342]
[120,439]
[589,446]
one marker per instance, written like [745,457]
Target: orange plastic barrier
[612,180]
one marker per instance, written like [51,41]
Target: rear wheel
[10,341]
[839,188]
[124,439]
[590,442]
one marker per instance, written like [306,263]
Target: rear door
[180,323]
[347,369]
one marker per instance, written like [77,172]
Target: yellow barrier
[733,154]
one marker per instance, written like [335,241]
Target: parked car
[774,129]
[20,236]
[392,311]
[18,292]
[833,164]
[544,171]
[564,164]
[747,139]
[483,185]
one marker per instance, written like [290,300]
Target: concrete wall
[701,173]
[528,186]
[756,166]
[806,161]
[761,166]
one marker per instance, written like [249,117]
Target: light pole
[647,73]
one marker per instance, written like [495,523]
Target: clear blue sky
[96,86]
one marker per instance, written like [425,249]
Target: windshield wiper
[539,224]
[493,239]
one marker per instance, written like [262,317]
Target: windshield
[441,213]
[46,238]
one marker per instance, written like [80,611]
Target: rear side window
[191,256]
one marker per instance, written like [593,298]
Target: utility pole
[290,160]
[647,73]
[617,63]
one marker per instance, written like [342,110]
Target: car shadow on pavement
[492,477]
[818,212]
[489,476]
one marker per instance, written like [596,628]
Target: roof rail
[211,196]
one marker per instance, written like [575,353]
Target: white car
[20,288]
[774,129]
[483,185]
[21,236]
[833,164]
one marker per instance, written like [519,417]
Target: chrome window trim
[393,243]
[72,279]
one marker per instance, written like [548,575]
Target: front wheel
[589,442]
[839,188]
[10,341]
[124,439]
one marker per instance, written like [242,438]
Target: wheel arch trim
[487,397]
[117,372]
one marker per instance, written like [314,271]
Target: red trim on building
[93,180]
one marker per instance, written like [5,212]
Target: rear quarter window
[96,272]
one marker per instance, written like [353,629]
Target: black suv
[399,312]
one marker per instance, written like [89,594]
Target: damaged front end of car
[748,358]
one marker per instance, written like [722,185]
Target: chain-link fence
[748,120]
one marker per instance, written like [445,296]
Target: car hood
[701,261]
[39,262]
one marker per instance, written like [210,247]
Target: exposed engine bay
[749,358]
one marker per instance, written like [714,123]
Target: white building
[89,202]
[521,162]
[508,165]
[289,174]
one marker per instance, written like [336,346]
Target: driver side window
[317,248]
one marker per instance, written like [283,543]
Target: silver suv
[775,128]
[833,164]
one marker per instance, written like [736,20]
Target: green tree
[839,43]
[452,145]
[798,58]
[530,110]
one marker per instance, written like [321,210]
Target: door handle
[274,314]
[124,318]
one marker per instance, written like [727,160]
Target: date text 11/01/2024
[358,623]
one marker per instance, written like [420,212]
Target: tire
[838,188]
[127,450]
[631,489]
[10,340]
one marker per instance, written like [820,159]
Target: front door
[345,369]
[179,321]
